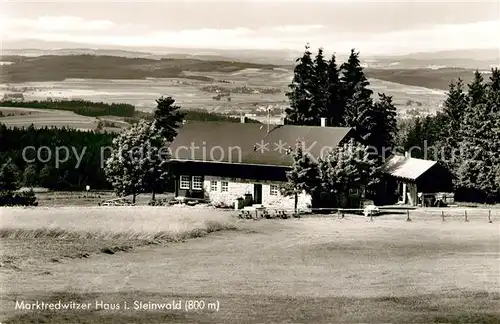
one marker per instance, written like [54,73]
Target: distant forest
[59,67]
[45,174]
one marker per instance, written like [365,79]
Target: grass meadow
[308,270]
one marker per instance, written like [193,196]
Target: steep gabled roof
[247,143]
[406,168]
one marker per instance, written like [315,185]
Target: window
[213,185]
[224,186]
[273,190]
[184,182]
[197,183]
[353,191]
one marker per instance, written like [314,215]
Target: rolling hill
[61,67]
[58,68]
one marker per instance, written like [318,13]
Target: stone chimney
[243,119]
[323,121]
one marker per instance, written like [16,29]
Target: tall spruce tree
[168,117]
[455,106]
[320,90]
[476,90]
[358,112]
[335,102]
[385,125]
[301,94]
[475,166]
[353,78]
[493,90]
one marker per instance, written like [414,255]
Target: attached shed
[407,176]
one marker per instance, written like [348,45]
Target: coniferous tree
[335,104]
[476,90]
[301,94]
[9,175]
[493,90]
[320,94]
[475,166]
[454,107]
[359,112]
[168,117]
[353,78]
[385,126]
[30,175]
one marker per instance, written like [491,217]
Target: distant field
[141,81]
[319,270]
[24,117]
[190,94]
[428,78]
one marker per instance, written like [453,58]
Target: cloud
[439,37]
[297,28]
[294,37]
[56,24]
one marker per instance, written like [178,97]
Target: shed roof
[246,143]
[407,168]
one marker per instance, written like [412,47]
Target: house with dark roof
[407,177]
[221,162]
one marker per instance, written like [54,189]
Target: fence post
[466,216]
[489,217]
[342,213]
[408,219]
[442,215]
[371,217]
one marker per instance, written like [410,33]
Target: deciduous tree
[349,166]
[303,176]
[135,165]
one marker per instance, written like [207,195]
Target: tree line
[465,137]
[80,107]
[341,94]
[44,170]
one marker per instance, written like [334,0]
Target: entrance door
[257,193]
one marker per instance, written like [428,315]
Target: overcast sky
[373,27]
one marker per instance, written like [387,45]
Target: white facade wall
[239,187]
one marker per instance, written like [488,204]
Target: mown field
[314,270]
